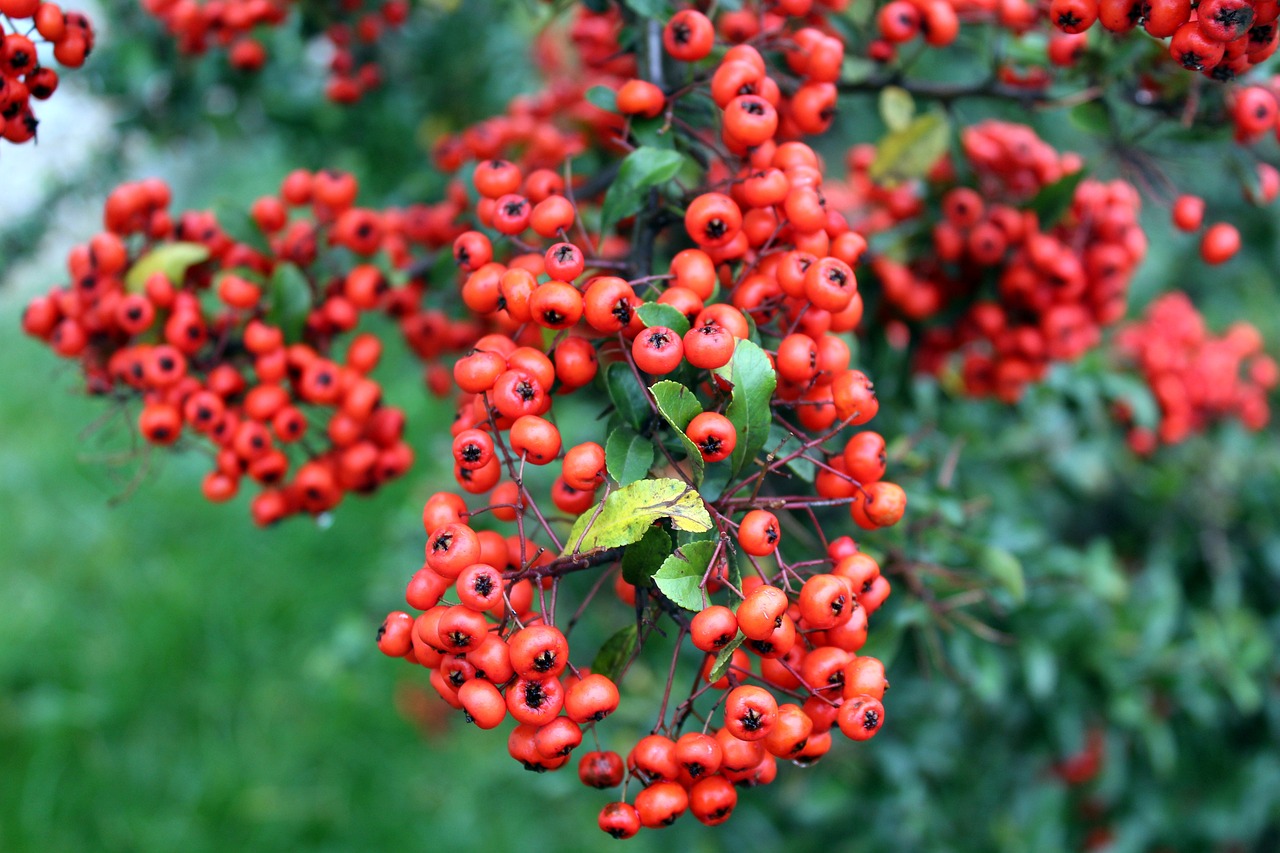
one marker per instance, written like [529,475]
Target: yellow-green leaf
[1005,569]
[172,259]
[629,511]
[911,152]
[896,108]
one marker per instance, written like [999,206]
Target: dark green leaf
[1055,199]
[642,559]
[1103,574]
[724,658]
[604,98]
[649,8]
[644,168]
[653,133]
[680,577]
[678,405]
[616,652]
[627,394]
[237,224]
[1135,394]
[628,455]
[288,301]
[714,482]
[753,381]
[657,314]
[1092,117]
[781,444]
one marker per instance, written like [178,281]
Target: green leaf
[649,8]
[897,108]
[289,301]
[616,652]
[628,455]
[239,225]
[657,314]
[1054,200]
[681,574]
[714,482]
[1102,573]
[1135,394]
[753,381]
[629,511]
[172,259]
[781,444]
[1040,667]
[1091,116]
[627,394]
[724,658]
[678,405]
[641,559]
[644,168]
[855,69]
[604,98]
[654,133]
[1005,569]
[910,153]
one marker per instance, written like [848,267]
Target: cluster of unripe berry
[24,26]
[248,343]
[1197,378]
[352,27]
[1008,292]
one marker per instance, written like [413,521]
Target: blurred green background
[172,678]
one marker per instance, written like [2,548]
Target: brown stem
[562,566]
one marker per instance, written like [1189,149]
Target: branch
[570,563]
[650,221]
[945,93]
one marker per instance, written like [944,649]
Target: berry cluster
[353,28]
[24,25]
[716,339]
[488,636]
[1222,39]
[1010,293]
[234,340]
[1197,378]
[649,355]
